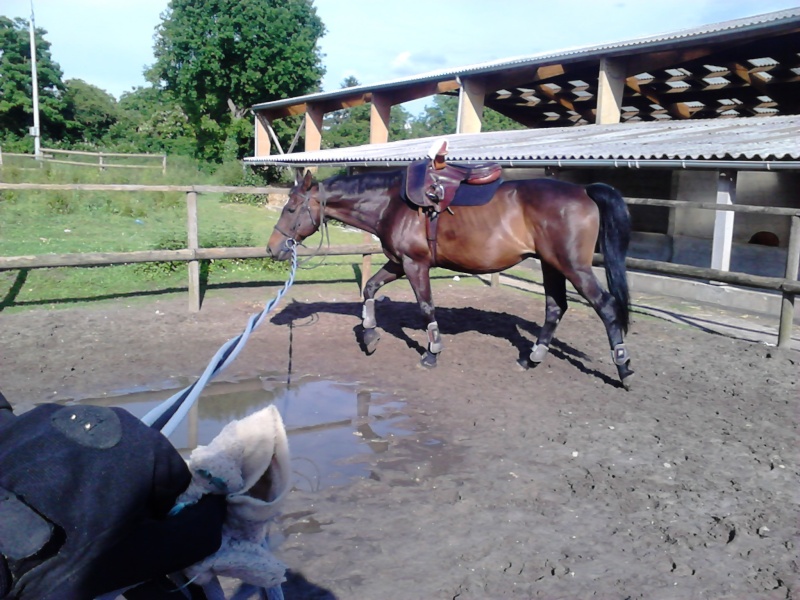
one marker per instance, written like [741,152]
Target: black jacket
[85,493]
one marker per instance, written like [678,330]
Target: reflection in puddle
[329,424]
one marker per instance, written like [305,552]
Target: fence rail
[48,154]
[788,286]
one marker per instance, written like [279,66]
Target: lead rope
[168,415]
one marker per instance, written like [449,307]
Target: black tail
[615,235]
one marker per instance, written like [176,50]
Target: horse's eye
[290,210]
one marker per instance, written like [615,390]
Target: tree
[219,57]
[16,89]
[94,111]
[151,120]
[351,126]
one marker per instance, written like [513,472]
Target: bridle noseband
[306,205]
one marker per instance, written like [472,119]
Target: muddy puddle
[333,427]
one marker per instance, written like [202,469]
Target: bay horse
[556,221]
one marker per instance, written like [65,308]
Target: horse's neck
[362,212]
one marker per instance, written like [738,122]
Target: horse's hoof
[524,364]
[626,383]
[428,360]
[369,340]
[625,376]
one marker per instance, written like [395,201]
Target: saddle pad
[475,195]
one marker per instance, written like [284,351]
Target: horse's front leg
[370,335]
[419,277]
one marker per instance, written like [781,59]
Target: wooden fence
[97,160]
[788,286]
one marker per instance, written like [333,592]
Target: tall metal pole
[37,149]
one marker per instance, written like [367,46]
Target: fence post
[100,162]
[194,265]
[164,164]
[787,301]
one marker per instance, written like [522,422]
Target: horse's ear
[298,176]
[307,181]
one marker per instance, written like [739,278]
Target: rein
[168,415]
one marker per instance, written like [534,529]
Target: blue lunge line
[167,415]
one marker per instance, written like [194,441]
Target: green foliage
[219,57]
[16,104]
[150,120]
[439,118]
[94,111]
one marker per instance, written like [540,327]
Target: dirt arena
[548,483]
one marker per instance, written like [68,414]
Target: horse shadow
[297,587]
[395,317]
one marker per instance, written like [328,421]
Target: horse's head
[300,218]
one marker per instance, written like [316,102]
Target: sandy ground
[546,483]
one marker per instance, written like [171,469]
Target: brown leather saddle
[432,184]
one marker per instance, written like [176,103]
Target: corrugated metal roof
[715,31]
[774,139]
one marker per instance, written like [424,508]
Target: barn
[708,115]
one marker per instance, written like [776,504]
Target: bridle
[323,223]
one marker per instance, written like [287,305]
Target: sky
[109,43]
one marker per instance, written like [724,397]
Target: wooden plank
[100,259]
[117,154]
[104,165]
[98,187]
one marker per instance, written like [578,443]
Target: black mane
[348,185]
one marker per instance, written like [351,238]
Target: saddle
[432,184]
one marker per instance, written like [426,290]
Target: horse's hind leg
[419,277]
[604,305]
[555,290]
[388,273]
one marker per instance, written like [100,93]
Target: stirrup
[620,355]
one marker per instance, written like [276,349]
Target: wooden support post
[723,223]
[379,116]
[610,89]
[470,106]
[787,302]
[495,280]
[262,146]
[164,164]
[194,265]
[313,128]
[100,161]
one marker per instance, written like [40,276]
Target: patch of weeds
[60,203]
[252,179]
[214,238]
[154,270]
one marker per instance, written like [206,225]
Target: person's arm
[161,546]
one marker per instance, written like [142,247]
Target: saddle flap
[419,182]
